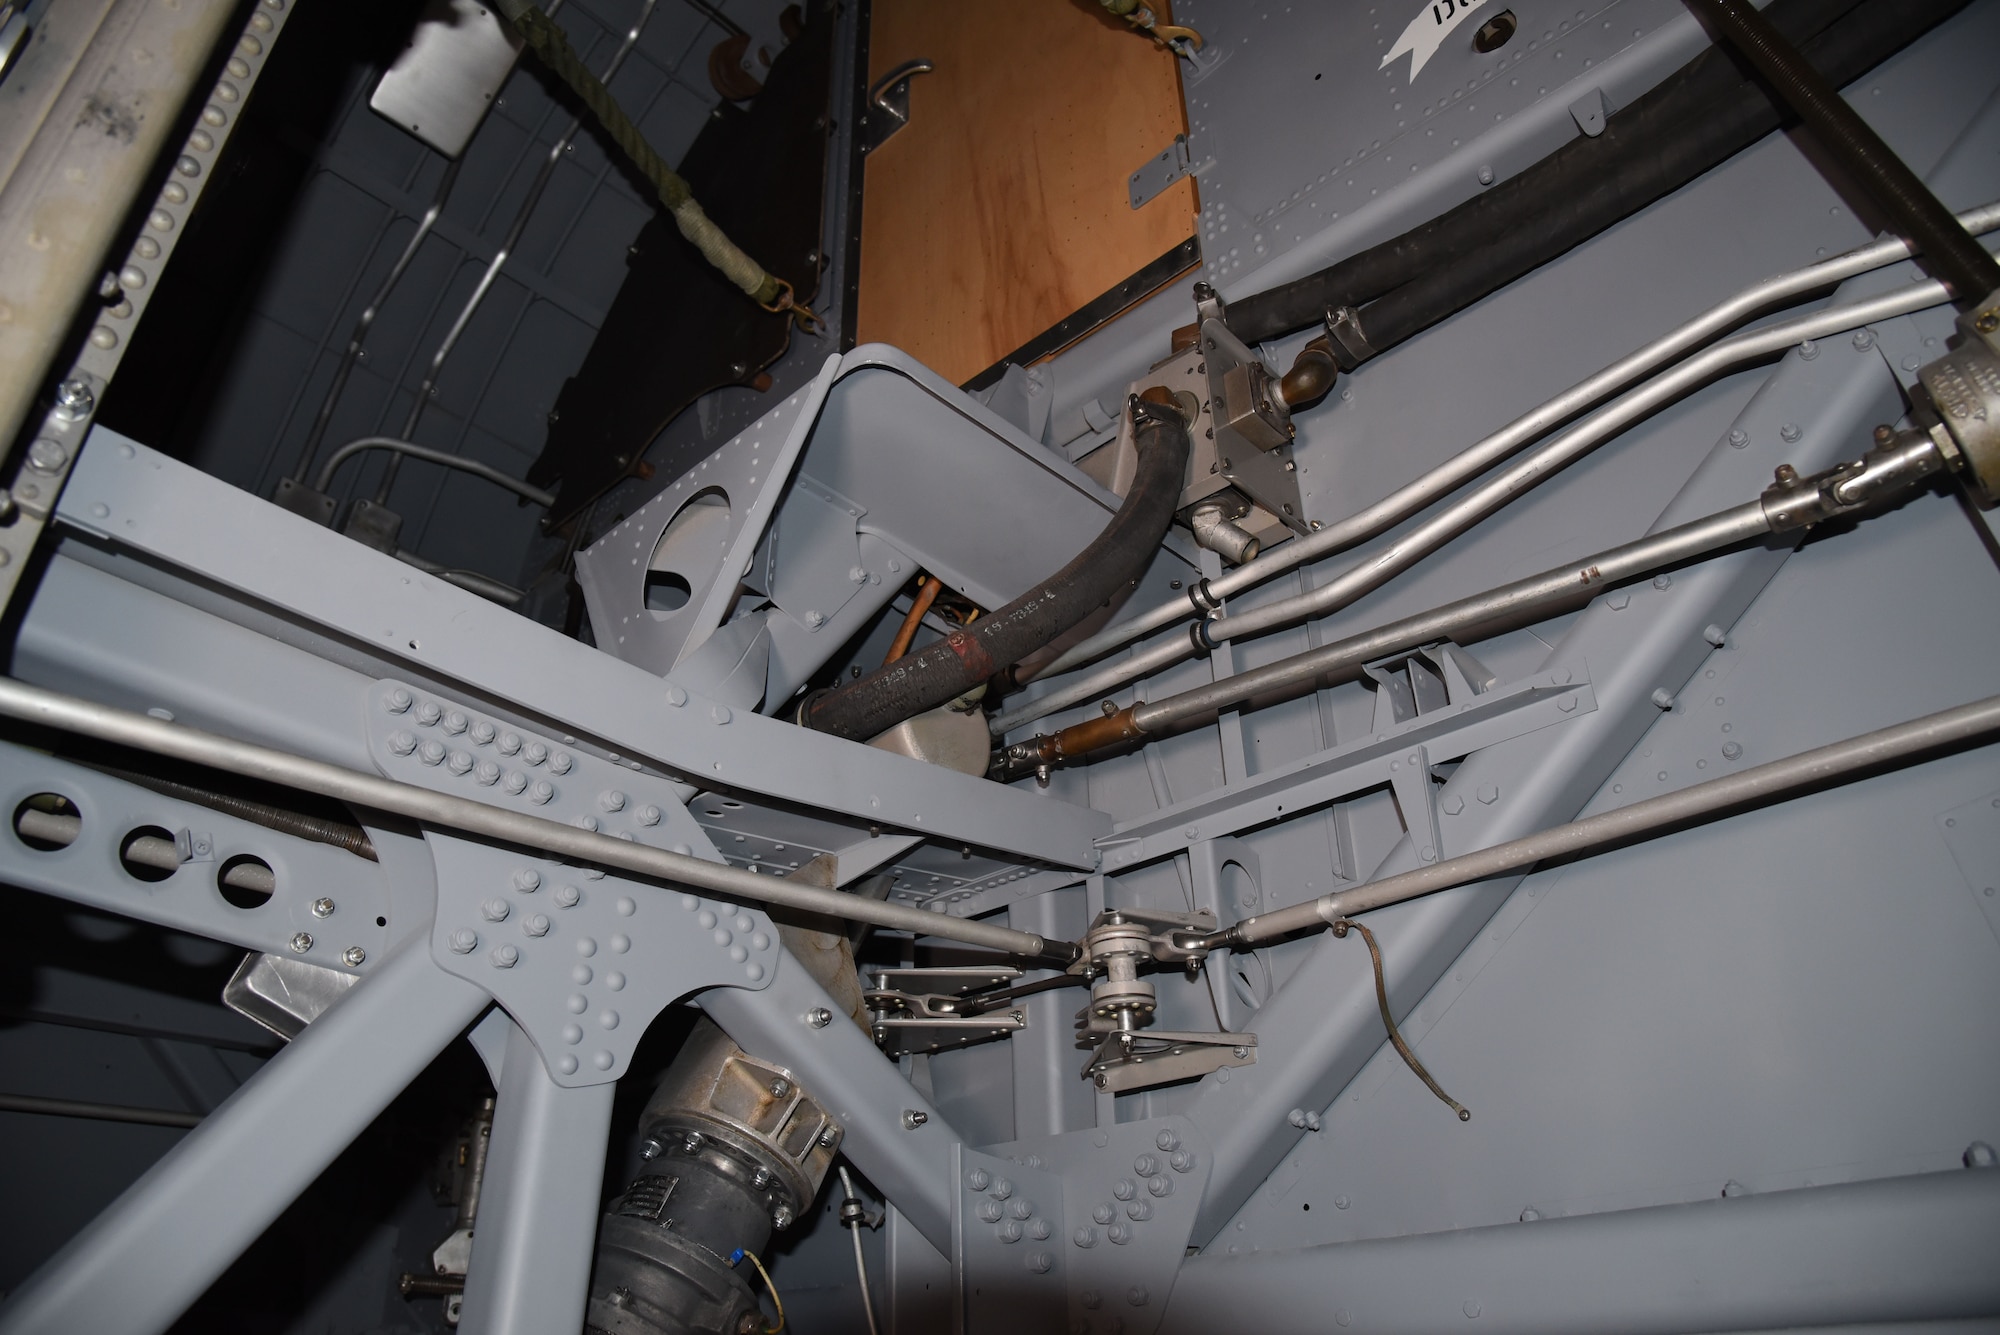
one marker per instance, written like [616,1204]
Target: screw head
[1987,321]
[782,1217]
[355,957]
[760,1179]
[47,456]
[74,397]
[828,1138]
[505,957]
[819,1017]
[650,1149]
[464,941]
[914,1118]
[780,1087]
[322,908]
[301,942]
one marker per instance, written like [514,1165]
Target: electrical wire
[1341,928]
[741,1254]
[854,1229]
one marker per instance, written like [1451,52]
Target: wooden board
[1002,208]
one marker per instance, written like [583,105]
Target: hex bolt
[355,956]
[487,773]
[1297,1117]
[1002,1189]
[819,1017]
[544,793]
[1731,750]
[1182,1162]
[535,753]
[464,941]
[1010,1231]
[431,753]
[1139,1211]
[1084,1237]
[1530,1215]
[527,880]
[398,701]
[1979,1155]
[1119,1234]
[560,762]
[402,743]
[649,815]
[74,398]
[1022,1209]
[1167,1141]
[651,1149]
[611,800]
[782,1217]
[914,1118]
[1487,794]
[455,722]
[1715,635]
[1104,1213]
[760,1179]
[828,1138]
[780,1087]
[301,942]
[1790,432]
[1738,437]
[1160,1186]
[568,896]
[322,908]
[1471,1308]
[482,732]
[536,924]
[1041,1262]
[495,909]
[1145,1165]
[1123,1189]
[990,1211]
[428,713]
[505,957]
[1662,698]
[1039,1229]
[461,763]
[692,1142]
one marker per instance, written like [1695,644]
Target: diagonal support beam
[159,1246]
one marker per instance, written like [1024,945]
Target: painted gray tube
[1837,762]
[463,463]
[49,709]
[1477,504]
[1454,472]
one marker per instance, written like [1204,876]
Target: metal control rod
[1385,514]
[1840,762]
[120,727]
[1896,465]
[1912,209]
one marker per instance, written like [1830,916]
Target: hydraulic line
[948,668]
[120,727]
[906,634]
[366,321]
[444,458]
[852,1204]
[1895,467]
[1779,780]
[1386,513]
[499,261]
[1480,502]
[1695,119]
[1949,251]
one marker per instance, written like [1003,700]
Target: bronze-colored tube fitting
[1312,375]
[1185,336]
[1051,749]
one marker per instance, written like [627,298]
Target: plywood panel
[1002,207]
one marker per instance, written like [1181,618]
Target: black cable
[945,669]
[1847,49]
[1913,211]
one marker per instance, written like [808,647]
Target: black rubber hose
[1949,251]
[946,669]
[1847,50]
[1710,88]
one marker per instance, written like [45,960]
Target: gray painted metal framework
[1737,1078]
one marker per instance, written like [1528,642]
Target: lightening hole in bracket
[246,882]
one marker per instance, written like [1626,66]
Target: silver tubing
[444,458]
[1483,500]
[1534,597]
[1447,477]
[501,256]
[366,321]
[1839,762]
[860,1261]
[99,1112]
[85,718]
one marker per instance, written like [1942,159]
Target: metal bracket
[1144,1058]
[1186,156]
[1008,1257]
[889,104]
[916,1011]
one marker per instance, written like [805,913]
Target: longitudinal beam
[159,1246]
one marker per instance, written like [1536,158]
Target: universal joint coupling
[735,1151]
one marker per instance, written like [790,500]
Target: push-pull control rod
[1898,464]
[1809,771]
[120,727]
